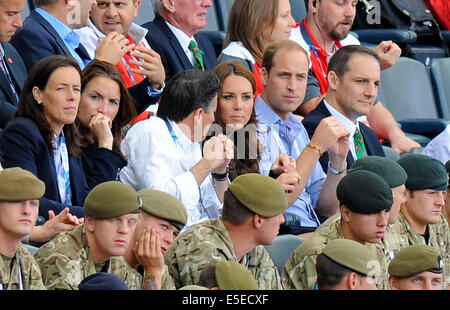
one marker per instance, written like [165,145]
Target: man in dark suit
[175,26]
[48,30]
[13,72]
[353,80]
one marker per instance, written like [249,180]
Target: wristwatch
[335,171]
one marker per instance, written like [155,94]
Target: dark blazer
[371,141]
[18,74]
[22,145]
[38,39]
[173,57]
[100,164]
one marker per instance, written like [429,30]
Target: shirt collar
[136,32]
[344,120]
[67,34]
[267,116]
[182,37]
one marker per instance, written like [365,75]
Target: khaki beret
[234,276]
[17,184]
[111,199]
[424,172]
[364,192]
[388,169]
[350,254]
[415,259]
[193,287]
[259,193]
[163,206]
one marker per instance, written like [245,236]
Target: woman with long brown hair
[105,108]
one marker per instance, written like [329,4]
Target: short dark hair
[207,277]
[272,50]
[330,273]
[234,211]
[40,3]
[29,108]
[186,92]
[339,61]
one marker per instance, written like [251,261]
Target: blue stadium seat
[408,94]
[440,76]
[282,248]
[298,10]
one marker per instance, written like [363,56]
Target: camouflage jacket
[299,271]
[66,260]
[31,274]
[439,238]
[135,279]
[209,241]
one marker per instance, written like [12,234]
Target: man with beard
[325,30]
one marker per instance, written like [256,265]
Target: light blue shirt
[288,137]
[69,37]
[61,160]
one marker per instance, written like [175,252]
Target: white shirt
[348,124]
[90,34]
[439,147]
[184,40]
[155,161]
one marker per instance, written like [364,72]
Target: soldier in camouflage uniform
[363,217]
[395,176]
[252,213]
[111,210]
[420,220]
[20,191]
[345,264]
[416,267]
[167,216]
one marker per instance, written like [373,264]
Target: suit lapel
[174,43]
[4,85]
[49,28]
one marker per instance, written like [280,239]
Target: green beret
[111,199]
[447,166]
[415,259]
[234,276]
[259,193]
[17,184]
[163,206]
[350,254]
[424,172]
[388,169]
[364,192]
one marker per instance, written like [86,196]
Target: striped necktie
[359,144]
[198,56]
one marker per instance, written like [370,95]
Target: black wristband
[220,177]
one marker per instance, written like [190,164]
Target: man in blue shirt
[48,30]
[284,78]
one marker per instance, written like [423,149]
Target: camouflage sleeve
[263,270]
[300,269]
[31,273]
[445,231]
[167,282]
[59,271]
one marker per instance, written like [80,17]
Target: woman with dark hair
[105,108]
[42,137]
[236,117]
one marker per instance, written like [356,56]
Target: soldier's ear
[89,223]
[257,221]
[346,214]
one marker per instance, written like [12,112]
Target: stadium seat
[440,76]
[409,95]
[282,248]
[298,10]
